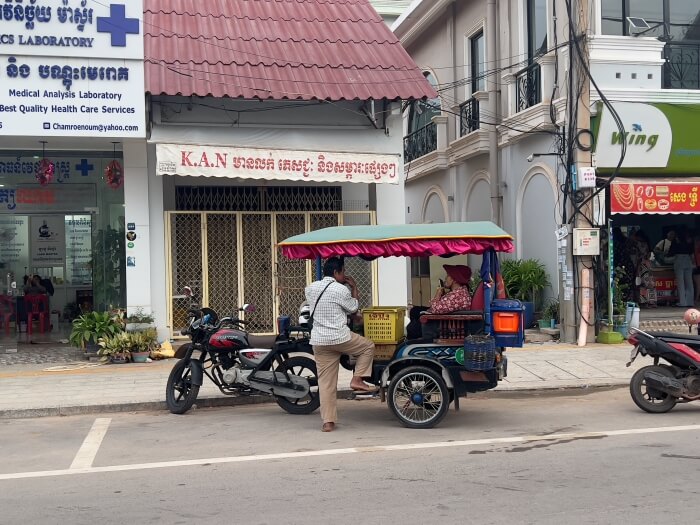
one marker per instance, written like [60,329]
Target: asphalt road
[577,458]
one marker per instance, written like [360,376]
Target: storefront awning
[655,196]
[276,164]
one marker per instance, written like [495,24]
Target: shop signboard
[637,196]
[25,198]
[72,68]
[48,240]
[660,138]
[276,164]
[14,243]
[79,249]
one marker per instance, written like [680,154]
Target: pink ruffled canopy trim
[396,248]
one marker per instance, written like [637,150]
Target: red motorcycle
[239,363]
[659,387]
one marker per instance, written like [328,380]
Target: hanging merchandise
[45,169]
[114,175]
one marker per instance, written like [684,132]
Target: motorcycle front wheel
[302,367]
[648,398]
[180,393]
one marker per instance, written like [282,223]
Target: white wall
[136,211]
[332,127]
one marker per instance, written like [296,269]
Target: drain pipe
[492,88]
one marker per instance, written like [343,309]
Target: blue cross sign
[84,168]
[118,25]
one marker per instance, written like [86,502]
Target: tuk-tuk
[420,378]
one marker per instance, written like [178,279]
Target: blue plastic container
[508,333]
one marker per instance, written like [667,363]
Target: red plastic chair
[36,306]
[8,311]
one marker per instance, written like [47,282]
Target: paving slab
[31,389]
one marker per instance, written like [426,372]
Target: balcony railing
[528,87]
[420,142]
[468,116]
[682,67]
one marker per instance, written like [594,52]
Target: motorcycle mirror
[248,307]
[187,291]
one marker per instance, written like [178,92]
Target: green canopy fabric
[408,240]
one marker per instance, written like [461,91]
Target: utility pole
[578,313]
[492,87]
[585,279]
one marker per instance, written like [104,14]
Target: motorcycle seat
[676,337]
[261,341]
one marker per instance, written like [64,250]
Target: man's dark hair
[332,265]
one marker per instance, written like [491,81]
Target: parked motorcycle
[239,363]
[659,387]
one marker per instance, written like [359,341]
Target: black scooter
[659,387]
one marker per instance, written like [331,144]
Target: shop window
[45,230]
[477,57]
[536,28]
[422,112]
[673,20]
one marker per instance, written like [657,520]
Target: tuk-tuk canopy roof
[398,240]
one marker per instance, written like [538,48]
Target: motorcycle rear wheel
[302,367]
[180,393]
[647,398]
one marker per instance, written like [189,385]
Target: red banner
[635,196]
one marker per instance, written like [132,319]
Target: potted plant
[620,288]
[89,328]
[550,314]
[115,348]
[525,279]
[139,321]
[142,343]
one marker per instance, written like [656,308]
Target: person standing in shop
[696,271]
[683,251]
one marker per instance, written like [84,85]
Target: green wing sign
[660,138]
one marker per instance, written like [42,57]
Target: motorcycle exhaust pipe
[662,383]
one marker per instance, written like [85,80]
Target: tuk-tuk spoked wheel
[418,397]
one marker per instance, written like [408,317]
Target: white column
[391,209]
[441,125]
[138,249]
[159,277]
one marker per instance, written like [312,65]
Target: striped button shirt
[330,325]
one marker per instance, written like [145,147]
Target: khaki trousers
[327,365]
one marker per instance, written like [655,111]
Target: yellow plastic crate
[384,324]
[384,352]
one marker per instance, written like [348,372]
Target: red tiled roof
[276,49]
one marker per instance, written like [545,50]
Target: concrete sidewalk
[33,390]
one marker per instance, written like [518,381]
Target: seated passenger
[454,295]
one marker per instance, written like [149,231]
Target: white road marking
[88,450]
[341,451]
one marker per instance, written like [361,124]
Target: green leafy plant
[108,267]
[525,279]
[144,341]
[620,288]
[551,311]
[117,344]
[139,317]
[90,327]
